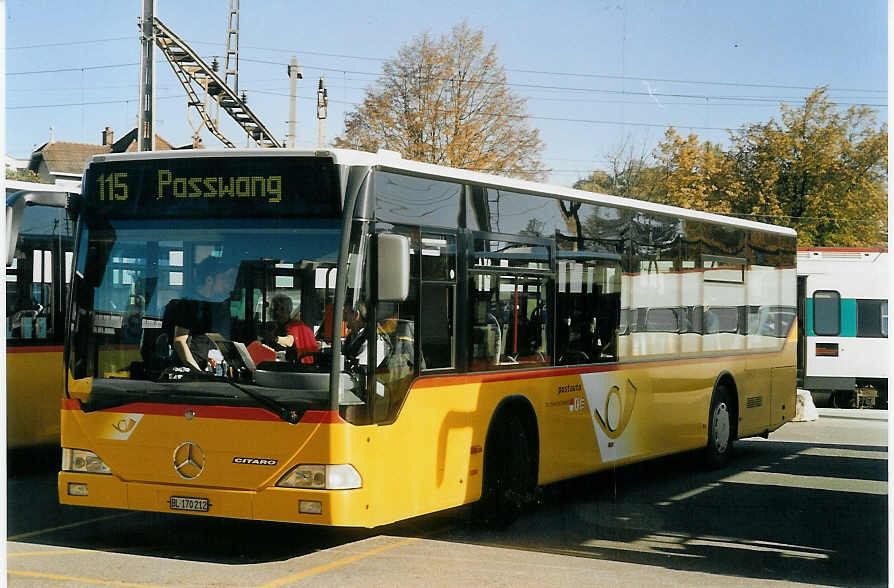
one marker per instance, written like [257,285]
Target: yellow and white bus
[455,337]
[40,225]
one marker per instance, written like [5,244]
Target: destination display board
[218,187]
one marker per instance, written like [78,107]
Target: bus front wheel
[721,429]
[508,480]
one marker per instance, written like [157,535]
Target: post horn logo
[615,415]
[189,460]
[125,425]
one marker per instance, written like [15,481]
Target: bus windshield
[36,275]
[206,309]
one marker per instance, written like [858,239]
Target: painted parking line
[337,564]
[68,526]
[810,482]
[835,452]
[69,579]
[43,552]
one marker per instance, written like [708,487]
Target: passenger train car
[843,353]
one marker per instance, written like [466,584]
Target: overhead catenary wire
[529,86]
[576,74]
[347,103]
[770,99]
[718,100]
[530,98]
[514,70]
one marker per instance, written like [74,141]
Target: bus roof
[392,161]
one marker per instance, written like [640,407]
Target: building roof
[62,157]
[129,143]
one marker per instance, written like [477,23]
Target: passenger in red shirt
[291,332]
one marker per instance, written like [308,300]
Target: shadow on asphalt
[673,514]
[33,460]
[668,512]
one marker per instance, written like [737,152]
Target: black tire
[721,429]
[832,403]
[509,480]
[844,399]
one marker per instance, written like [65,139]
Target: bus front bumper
[316,507]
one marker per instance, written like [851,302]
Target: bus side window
[588,310]
[486,327]
[438,276]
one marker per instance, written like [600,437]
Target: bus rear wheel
[843,399]
[509,481]
[721,429]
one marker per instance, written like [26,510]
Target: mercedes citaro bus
[474,336]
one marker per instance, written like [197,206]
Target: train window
[884,318]
[826,312]
[872,318]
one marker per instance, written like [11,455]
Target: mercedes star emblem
[189,460]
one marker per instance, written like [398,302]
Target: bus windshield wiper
[285,413]
[282,411]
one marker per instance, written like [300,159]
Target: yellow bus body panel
[431,457]
[34,378]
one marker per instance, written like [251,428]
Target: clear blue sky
[616,72]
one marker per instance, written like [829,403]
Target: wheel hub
[721,427]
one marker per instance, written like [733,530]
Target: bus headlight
[322,477]
[79,460]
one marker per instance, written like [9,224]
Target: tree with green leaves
[694,174]
[819,170]
[446,101]
[822,171]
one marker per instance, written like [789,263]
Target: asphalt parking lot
[807,506]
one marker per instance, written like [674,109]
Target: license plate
[187,503]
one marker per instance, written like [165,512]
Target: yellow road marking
[68,526]
[75,579]
[336,564]
[44,552]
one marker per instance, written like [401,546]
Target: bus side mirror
[394,267]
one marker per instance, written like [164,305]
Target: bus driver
[208,312]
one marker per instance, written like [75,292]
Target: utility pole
[322,112]
[146,121]
[294,75]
